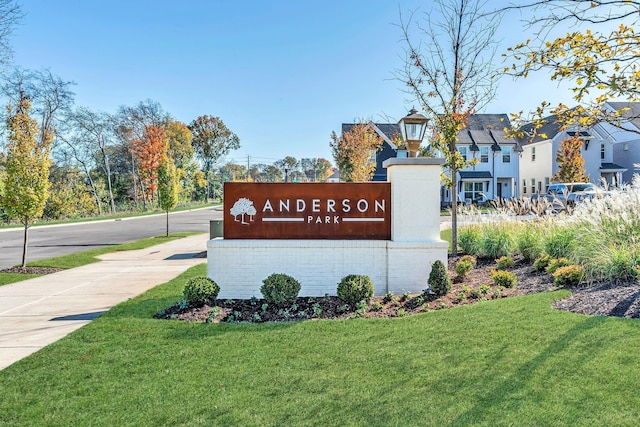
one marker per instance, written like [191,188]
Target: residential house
[599,144]
[496,174]
[626,138]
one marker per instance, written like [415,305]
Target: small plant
[256,317]
[361,308]
[541,263]
[253,300]
[505,262]
[355,288]
[317,311]
[183,304]
[485,289]
[401,312]
[230,318]
[264,306]
[213,313]
[504,278]
[387,297]
[462,296]
[280,289]
[294,307]
[496,294]
[419,300]
[376,306]
[442,305]
[199,290]
[229,301]
[469,258]
[463,267]
[424,308]
[405,296]
[439,281]
[569,275]
[556,263]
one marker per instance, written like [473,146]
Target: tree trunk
[24,246]
[167,223]
[454,211]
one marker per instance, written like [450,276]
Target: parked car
[563,194]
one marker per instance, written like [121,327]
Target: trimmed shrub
[469,240]
[439,281]
[556,263]
[505,262]
[469,258]
[569,275]
[280,289]
[503,278]
[541,263]
[463,267]
[355,288]
[199,290]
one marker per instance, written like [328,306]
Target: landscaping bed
[477,286]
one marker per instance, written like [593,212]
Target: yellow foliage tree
[26,185]
[353,152]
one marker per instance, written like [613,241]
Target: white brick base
[239,266]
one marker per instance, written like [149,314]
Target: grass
[506,362]
[79,259]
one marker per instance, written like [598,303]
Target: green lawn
[505,362]
[87,257]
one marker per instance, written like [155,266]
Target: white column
[415,198]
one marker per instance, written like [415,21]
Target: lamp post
[286,174]
[413,127]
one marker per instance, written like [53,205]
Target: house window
[484,154]
[524,186]
[546,184]
[506,154]
[533,154]
[539,186]
[533,185]
[602,151]
[473,190]
[463,152]
[372,156]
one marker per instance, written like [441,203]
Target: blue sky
[281,74]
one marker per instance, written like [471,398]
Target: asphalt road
[56,240]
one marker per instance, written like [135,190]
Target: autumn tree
[449,71]
[354,151]
[570,161]
[26,185]
[597,58]
[168,186]
[212,140]
[149,151]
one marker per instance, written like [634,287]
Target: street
[56,240]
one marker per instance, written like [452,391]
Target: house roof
[486,129]
[550,129]
[611,167]
[475,175]
[631,112]
[387,131]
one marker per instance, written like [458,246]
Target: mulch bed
[31,270]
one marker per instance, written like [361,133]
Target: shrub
[199,290]
[503,278]
[439,281]
[469,258]
[355,288]
[463,267]
[280,289]
[622,265]
[560,241]
[541,263]
[556,263]
[505,262]
[469,240]
[568,275]
[495,242]
[528,242]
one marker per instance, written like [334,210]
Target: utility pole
[248,166]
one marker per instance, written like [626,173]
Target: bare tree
[10,15]
[448,70]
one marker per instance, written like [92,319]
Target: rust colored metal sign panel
[307,211]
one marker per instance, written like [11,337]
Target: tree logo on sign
[242,208]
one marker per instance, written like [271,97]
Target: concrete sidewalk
[37,312]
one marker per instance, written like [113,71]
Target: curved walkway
[37,312]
